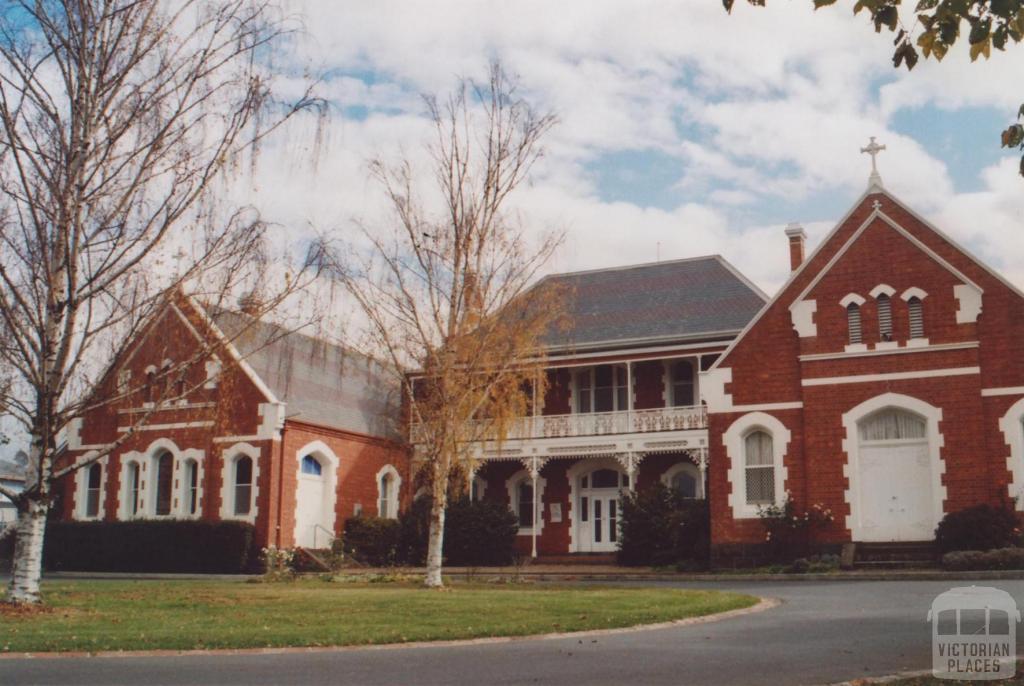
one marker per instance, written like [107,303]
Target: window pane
[95,474]
[133,489]
[613,524]
[164,483]
[310,465]
[759,449]
[584,509]
[92,503]
[243,499]
[890,425]
[760,485]
[603,376]
[597,521]
[243,471]
[605,478]
[603,399]
[525,506]
[946,623]
[192,476]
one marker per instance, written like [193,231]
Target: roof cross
[873,149]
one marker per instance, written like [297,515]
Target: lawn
[183,615]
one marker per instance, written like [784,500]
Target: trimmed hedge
[660,527]
[372,540]
[982,527]
[171,546]
[481,533]
[970,560]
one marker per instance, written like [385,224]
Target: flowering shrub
[278,563]
[789,531]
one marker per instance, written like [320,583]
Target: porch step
[577,559]
[904,554]
[311,560]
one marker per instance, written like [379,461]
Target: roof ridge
[635,266]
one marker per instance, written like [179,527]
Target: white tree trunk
[435,545]
[28,554]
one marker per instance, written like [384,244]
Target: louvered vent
[916,317]
[885,317]
[853,320]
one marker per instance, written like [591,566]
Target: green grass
[182,615]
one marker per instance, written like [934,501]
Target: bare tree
[119,122]
[447,294]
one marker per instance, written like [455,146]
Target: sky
[682,130]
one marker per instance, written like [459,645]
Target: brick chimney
[797,238]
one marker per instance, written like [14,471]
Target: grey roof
[322,383]
[691,299]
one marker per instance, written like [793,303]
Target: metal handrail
[330,535]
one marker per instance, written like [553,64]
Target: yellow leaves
[983,47]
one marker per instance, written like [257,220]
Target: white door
[599,522]
[896,493]
[311,523]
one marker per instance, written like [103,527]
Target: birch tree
[447,291]
[120,121]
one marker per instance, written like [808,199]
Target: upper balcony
[609,423]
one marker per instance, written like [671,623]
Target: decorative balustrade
[605,423]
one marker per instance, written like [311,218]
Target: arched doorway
[315,496]
[894,474]
[598,490]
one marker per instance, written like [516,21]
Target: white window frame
[670,395]
[592,373]
[229,457]
[512,486]
[395,486]
[735,447]
[82,488]
[684,466]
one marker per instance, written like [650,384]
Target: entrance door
[896,493]
[598,521]
[310,526]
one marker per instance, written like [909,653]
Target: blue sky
[683,130]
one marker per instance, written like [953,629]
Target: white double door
[896,493]
[598,521]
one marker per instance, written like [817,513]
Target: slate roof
[690,299]
[322,383]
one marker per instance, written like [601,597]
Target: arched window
[884,317]
[893,425]
[311,466]
[148,391]
[168,378]
[915,310]
[525,504]
[759,468]
[132,489]
[92,491]
[386,502]
[853,323]
[191,501]
[164,483]
[682,384]
[243,485]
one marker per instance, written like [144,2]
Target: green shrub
[169,546]
[790,532]
[659,527]
[479,533]
[372,540]
[476,533]
[982,527]
[998,558]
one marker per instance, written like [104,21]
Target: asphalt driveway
[822,633]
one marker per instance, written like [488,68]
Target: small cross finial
[876,205]
[873,149]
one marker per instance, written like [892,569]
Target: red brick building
[283,430]
[885,381]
